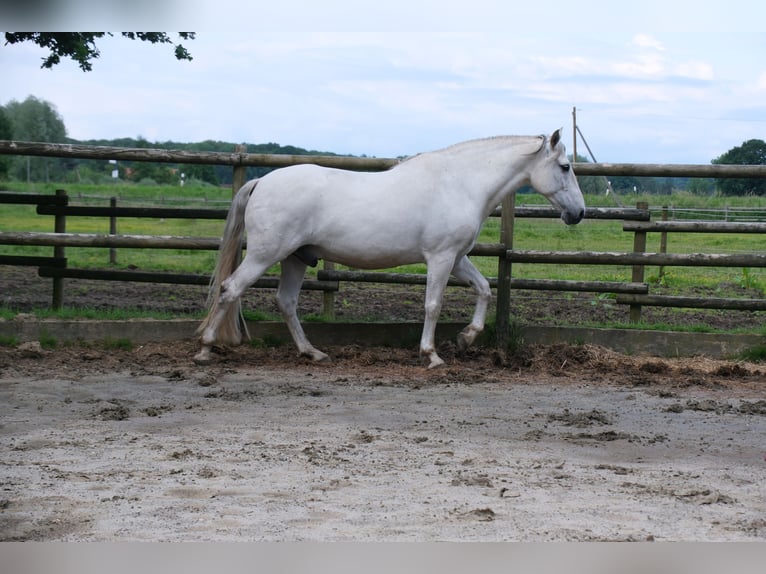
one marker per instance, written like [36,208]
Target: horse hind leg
[464,270]
[291,279]
[222,323]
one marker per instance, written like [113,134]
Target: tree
[751,152]
[153,173]
[6,133]
[700,186]
[81,46]
[201,172]
[36,121]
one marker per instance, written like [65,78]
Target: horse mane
[512,140]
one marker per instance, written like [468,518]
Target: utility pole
[574,134]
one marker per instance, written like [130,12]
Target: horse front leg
[290,281]
[436,281]
[464,270]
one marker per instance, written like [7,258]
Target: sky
[660,82]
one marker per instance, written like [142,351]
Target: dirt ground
[557,443]
[104,443]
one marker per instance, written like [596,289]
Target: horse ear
[556,138]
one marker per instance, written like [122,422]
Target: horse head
[553,177]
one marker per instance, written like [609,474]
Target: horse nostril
[571,219]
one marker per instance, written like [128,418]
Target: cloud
[648,66]
[646,41]
[695,70]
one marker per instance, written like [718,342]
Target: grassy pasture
[539,234]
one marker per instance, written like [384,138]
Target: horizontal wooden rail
[488,250]
[530,284]
[633,258]
[172,278]
[514,255]
[192,157]
[695,226]
[693,302]
[149,212]
[670,170]
[105,240]
[32,199]
[581,286]
[345,162]
[616,213]
[32,260]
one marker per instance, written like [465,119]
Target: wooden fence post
[502,317]
[59,226]
[112,230]
[663,243]
[239,176]
[328,297]
[639,246]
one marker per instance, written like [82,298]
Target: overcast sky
[658,82]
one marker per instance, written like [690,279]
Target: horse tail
[229,257]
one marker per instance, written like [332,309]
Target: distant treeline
[171,173]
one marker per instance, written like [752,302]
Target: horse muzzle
[572,217]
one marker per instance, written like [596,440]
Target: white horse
[429,208]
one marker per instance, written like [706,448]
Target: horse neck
[493,167]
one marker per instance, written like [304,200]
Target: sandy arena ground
[558,443]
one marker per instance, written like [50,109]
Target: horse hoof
[436,362]
[316,356]
[203,358]
[466,338]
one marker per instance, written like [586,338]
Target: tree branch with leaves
[81,46]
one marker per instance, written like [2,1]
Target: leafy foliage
[213,174]
[6,133]
[751,152]
[81,46]
[38,121]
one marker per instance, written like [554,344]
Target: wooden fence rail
[191,157]
[353,163]
[530,284]
[327,280]
[695,226]
[636,258]
[41,238]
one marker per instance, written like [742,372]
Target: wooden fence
[635,220]
[327,279]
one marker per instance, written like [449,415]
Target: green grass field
[539,234]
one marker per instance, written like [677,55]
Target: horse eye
[565,167]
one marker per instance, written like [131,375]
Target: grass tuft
[755,354]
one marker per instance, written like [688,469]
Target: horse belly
[365,254]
